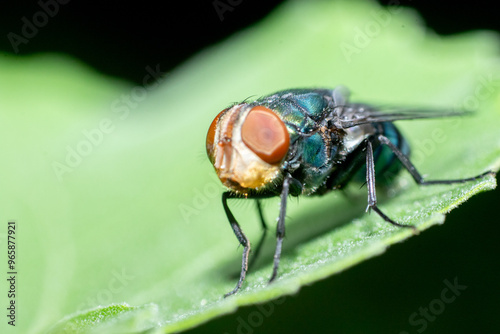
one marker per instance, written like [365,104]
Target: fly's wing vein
[354,115]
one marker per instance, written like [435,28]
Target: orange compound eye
[265,134]
[211,136]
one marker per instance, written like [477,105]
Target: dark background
[377,296]
[121,39]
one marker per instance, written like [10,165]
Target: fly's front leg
[280,229]
[241,238]
[416,175]
[372,195]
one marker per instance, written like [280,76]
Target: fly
[307,142]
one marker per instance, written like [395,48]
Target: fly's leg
[416,175]
[262,238]
[370,177]
[372,195]
[241,238]
[280,229]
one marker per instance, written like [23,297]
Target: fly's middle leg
[372,195]
[370,177]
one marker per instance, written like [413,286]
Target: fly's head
[247,144]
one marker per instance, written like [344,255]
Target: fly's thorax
[247,144]
[355,135]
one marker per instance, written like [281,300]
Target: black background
[376,296]
[121,39]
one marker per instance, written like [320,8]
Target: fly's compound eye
[211,137]
[266,135]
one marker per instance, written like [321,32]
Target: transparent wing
[357,114]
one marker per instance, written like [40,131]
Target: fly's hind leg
[416,175]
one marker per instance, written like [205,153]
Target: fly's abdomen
[387,165]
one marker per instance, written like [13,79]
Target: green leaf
[117,205]
[115,318]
